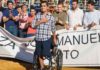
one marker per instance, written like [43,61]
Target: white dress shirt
[92,17]
[75,17]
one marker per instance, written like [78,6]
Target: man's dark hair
[9,2]
[32,8]
[18,7]
[24,5]
[60,4]
[75,1]
[91,2]
[44,2]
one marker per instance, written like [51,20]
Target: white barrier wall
[80,48]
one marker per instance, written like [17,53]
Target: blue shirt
[10,22]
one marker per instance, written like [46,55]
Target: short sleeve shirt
[6,14]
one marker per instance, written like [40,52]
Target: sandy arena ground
[9,64]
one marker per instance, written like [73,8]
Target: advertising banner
[79,48]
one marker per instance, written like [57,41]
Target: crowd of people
[23,23]
[18,21]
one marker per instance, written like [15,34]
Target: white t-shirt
[75,17]
[92,17]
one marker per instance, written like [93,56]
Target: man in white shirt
[75,16]
[92,17]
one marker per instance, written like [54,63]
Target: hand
[29,22]
[55,41]
[67,27]
[61,22]
[93,24]
[75,27]
[16,18]
[5,19]
[44,19]
[56,18]
[37,23]
[10,16]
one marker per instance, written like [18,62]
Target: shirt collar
[93,10]
[76,9]
[46,13]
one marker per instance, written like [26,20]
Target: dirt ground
[10,64]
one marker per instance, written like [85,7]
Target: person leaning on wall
[92,16]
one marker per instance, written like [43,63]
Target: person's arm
[14,18]
[5,19]
[7,16]
[54,38]
[85,20]
[76,26]
[91,25]
[60,22]
[53,29]
[36,23]
[67,21]
[14,15]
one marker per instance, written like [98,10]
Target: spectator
[45,24]
[60,17]
[92,17]
[66,5]
[1,11]
[19,10]
[75,16]
[9,18]
[52,10]
[31,31]
[1,8]
[1,16]
[23,22]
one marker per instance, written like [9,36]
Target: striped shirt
[44,30]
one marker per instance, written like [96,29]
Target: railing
[82,3]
